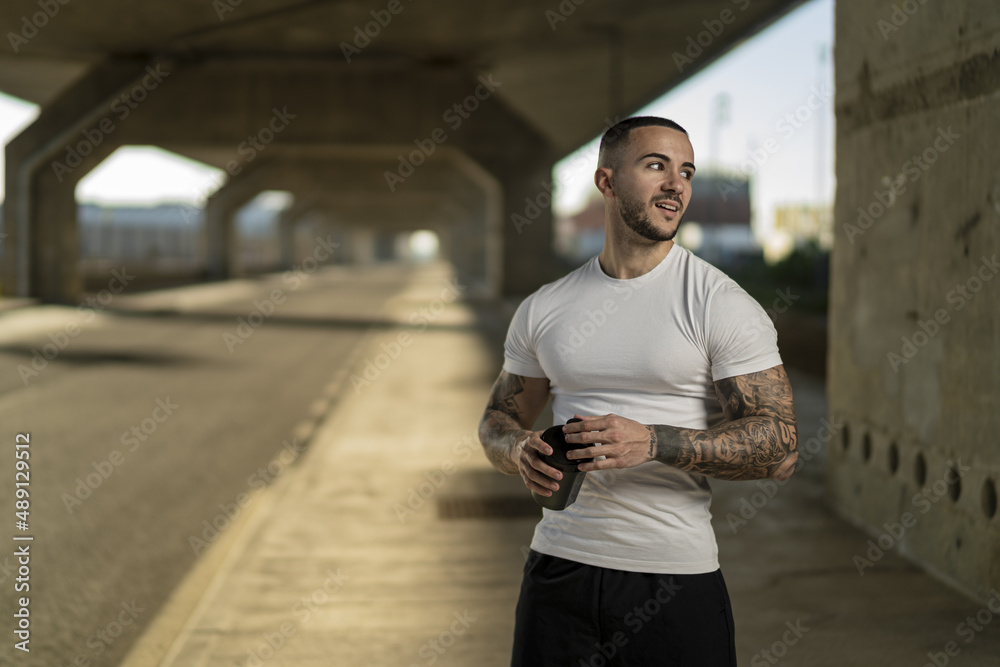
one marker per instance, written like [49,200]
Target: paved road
[145,426]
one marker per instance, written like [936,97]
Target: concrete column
[222,256]
[526,235]
[55,243]
[71,136]
[362,245]
[329,228]
[401,246]
[914,377]
[287,222]
[527,226]
[221,249]
[466,251]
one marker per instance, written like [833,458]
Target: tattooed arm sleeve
[759,441]
[514,405]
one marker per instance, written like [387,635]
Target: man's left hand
[625,443]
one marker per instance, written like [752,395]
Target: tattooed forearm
[652,441]
[749,448]
[759,441]
[499,434]
[503,421]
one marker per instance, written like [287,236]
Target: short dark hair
[615,140]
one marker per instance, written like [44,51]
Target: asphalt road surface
[149,421]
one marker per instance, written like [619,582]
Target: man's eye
[658,165]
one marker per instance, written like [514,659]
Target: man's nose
[673,183]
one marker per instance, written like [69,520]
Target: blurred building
[805,223]
[169,236]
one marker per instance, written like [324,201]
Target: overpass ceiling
[557,74]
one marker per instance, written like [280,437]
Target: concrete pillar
[401,246]
[384,245]
[71,136]
[526,223]
[362,245]
[914,376]
[330,229]
[287,221]
[222,244]
[222,250]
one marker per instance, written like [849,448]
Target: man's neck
[623,260]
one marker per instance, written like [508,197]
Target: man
[675,373]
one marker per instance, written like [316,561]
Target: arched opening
[141,208]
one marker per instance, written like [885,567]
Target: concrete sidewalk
[391,541]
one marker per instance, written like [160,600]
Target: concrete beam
[261,111]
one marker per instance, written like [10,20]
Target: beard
[633,213]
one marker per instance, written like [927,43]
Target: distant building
[803,223]
[169,235]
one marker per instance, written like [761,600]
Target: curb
[166,636]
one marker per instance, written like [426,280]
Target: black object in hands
[569,485]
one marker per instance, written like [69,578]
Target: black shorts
[575,615]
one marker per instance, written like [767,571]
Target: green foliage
[805,272]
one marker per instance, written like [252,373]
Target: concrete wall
[914,359]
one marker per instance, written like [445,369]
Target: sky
[765,78]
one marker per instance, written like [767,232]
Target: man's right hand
[538,476]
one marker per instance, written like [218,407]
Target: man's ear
[604,182]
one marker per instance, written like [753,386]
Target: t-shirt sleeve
[741,337]
[519,353]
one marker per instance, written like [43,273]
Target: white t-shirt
[649,349]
